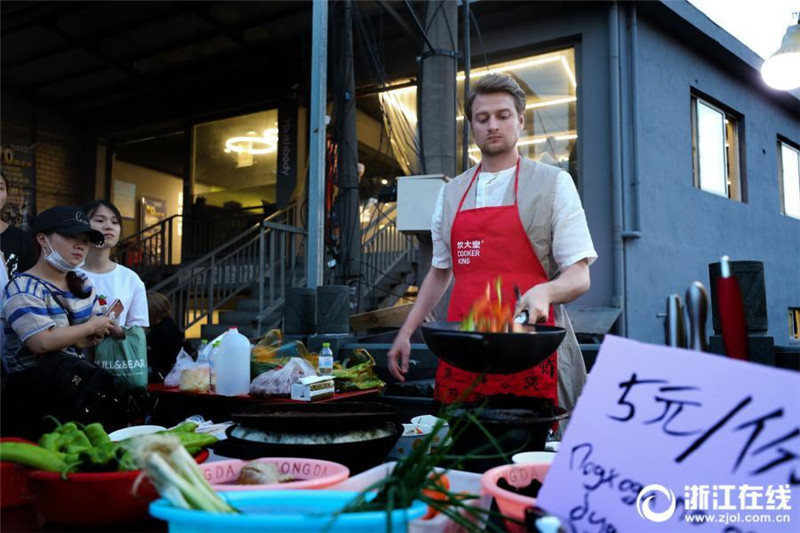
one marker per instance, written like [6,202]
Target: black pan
[312,416]
[495,353]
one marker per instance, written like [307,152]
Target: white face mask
[58,262]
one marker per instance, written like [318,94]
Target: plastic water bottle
[325,365]
[233,364]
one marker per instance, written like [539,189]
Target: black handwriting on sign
[594,518]
[623,400]
[597,475]
[762,447]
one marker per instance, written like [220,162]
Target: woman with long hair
[50,307]
[111,280]
[50,312]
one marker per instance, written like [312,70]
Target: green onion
[175,474]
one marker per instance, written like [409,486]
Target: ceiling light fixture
[782,70]
[252,144]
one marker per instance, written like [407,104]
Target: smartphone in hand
[114,310]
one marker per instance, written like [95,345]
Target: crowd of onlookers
[80,335]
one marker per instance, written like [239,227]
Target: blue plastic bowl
[283,510]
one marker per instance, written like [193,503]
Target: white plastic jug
[233,364]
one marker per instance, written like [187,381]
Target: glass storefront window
[235,161]
[551,133]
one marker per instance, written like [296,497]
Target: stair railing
[383,248]
[149,249]
[279,247]
[207,283]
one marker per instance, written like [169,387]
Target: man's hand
[397,358]
[568,286]
[537,301]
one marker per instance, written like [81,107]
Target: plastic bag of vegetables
[357,373]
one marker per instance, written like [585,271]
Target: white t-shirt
[124,284]
[571,239]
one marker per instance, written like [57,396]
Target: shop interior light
[782,70]
[515,65]
[539,140]
[543,103]
[253,144]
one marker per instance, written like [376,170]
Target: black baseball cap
[66,220]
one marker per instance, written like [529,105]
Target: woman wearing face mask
[49,307]
[49,311]
[110,280]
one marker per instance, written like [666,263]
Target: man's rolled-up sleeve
[441,250]
[572,241]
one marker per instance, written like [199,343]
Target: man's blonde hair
[495,83]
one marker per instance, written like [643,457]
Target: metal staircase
[262,261]
[242,282]
[389,260]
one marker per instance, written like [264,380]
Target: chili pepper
[186,427]
[49,441]
[76,438]
[96,434]
[74,449]
[32,456]
[69,427]
[197,440]
[99,455]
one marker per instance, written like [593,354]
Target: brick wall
[64,160]
[59,171]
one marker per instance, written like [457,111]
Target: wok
[495,353]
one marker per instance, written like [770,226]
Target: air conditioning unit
[416,198]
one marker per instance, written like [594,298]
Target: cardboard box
[312,388]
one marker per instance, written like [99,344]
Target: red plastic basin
[93,499]
[14,485]
[509,503]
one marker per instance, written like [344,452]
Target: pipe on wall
[633,40]
[615,126]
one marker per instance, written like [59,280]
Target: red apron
[487,243]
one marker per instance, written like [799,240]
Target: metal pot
[358,435]
[517,424]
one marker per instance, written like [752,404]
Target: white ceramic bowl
[430,420]
[533,457]
[134,431]
[411,438]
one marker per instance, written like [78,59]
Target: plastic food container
[285,511]
[468,482]
[134,431]
[533,457]
[430,420]
[413,435]
[509,503]
[308,474]
[93,499]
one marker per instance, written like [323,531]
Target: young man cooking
[521,221]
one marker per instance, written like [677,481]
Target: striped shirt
[32,305]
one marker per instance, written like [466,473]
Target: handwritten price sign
[670,440]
